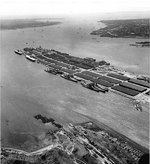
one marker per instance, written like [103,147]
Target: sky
[10,8]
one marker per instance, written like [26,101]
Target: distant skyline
[16,8]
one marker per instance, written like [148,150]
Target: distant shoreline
[25,23]
[136,28]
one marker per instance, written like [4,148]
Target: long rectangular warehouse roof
[109,79]
[125,90]
[93,74]
[54,66]
[102,82]
[139,82]
[63,64]
[68,71]
[51,61]
[81,75]
[41,57]
[133,86]
[117,76]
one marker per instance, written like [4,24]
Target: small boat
[30,58]
[69,77]
[18,52]
[89,85]
[137,105]
[52,71]
[101,88]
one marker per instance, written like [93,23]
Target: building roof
[133,86]
[110,80]
[140,82]
[68,70]
[117,76]
[93,74]
[102,82]
[83,76]
[125,90]
[54,66]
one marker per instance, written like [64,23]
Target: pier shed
[54,66]
[102,82]
[140,82]
[117,76]
[83,76]
[125,90]
[110,80]
[133,86]
[93,74]
[68,71]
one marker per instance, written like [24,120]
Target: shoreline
[29,24]
[123,29]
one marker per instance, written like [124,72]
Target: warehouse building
[133,86]
[68,71]
[139,82]
[83,76]
[125,90]
[102,82]
[51,61]
[54,66]
[95,75]
[117,76]
[63,64]
[110,80]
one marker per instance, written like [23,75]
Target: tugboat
[30,58]
[18,52]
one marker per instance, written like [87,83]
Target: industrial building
[117,76]
[133,86]
[95,75]
[102,82]
[54,66]
[68,70]
[83,76]
[110,80]
[140,82]
[125,90]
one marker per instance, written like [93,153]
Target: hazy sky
[47,7]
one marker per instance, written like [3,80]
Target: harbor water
[27,90]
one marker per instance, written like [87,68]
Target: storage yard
[87,69]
